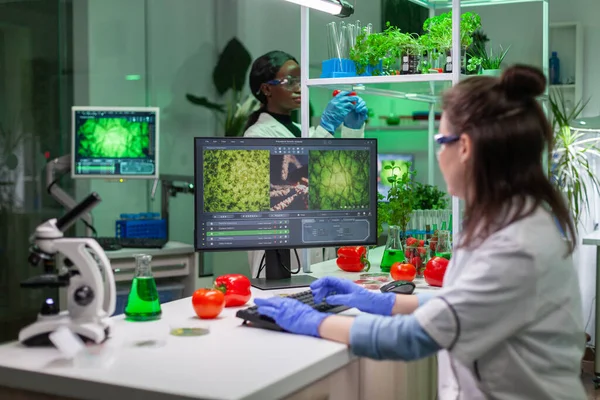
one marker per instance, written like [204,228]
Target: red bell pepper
[435,271]
[353,259]
[236,288]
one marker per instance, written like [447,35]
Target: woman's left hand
[291,315]
[356,118]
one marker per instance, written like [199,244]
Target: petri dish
[369,283]
[376,276]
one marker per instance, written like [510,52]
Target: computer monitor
[404,161]
[277,194]
[115,142]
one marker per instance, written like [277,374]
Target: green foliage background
[236,180]
[113,138]
[338,179]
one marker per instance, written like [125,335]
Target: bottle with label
[554,67]
[393,251]
[143,303]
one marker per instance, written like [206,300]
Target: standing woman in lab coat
[275,82]
[507,323]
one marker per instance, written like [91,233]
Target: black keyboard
[115,243]
[251,316]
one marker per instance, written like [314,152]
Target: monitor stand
[278,273]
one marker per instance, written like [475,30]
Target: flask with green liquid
[143,303]
[444,245]
[393,251]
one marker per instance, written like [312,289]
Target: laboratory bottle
[143,303]
[393,251]
[554,69]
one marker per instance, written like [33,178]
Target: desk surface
[171,248]
[231,362]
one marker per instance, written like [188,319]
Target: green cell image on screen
[386,173]
[236,180]
[338,179]
[113,138]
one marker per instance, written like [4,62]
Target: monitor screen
[403,161]
[115,142]
[279,193]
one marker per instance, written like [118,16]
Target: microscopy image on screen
[339,179]
[236,180]
[113,138]
[289,182]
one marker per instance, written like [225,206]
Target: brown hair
[508,130]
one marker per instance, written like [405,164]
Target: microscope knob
[84,295]
[49,307]
[34,259]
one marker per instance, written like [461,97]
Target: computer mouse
[399,287]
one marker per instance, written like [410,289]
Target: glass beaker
[443,247]
[143,303]
[393,249]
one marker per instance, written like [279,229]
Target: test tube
[329,44]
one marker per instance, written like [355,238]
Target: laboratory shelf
[417,87]
[439,4]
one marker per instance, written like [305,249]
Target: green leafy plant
[229,75]
[429,197]
[439,28]
[569,165]
[401,198]
[481,58]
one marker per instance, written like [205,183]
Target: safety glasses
[445,139]
[289,82]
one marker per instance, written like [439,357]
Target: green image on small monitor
[113,138]
[401,169]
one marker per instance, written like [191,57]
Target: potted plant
[439,28]
[429,197]
[569,166]
[229,75]
[400,198]
[486,63]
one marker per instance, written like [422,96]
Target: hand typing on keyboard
[350,294]
[292,315]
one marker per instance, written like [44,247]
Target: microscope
[83,269]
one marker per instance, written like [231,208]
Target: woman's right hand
[336,111]
[336,291]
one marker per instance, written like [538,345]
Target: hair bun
[522,82]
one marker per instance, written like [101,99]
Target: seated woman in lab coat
[507,323]
[275,82]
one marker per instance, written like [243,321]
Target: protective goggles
[445,139]
[289,82]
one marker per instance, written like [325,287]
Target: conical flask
[393,249]
[143,303]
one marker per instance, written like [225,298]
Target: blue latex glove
[336,111]
[357,117]
[292,315]
[350,294]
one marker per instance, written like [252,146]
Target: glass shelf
[471,3]
[419,87]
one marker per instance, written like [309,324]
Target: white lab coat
[267,126]
[509,318]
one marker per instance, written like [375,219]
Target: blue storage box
[142,225]
[344,68]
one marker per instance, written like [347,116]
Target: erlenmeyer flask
[143,303]
[393,249]
[443,247]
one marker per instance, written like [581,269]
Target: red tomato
[208,303]
[403,272]
[435,270]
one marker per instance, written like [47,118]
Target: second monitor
[115,142]
[277,194]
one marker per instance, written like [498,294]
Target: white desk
[231,362]
[594,239]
